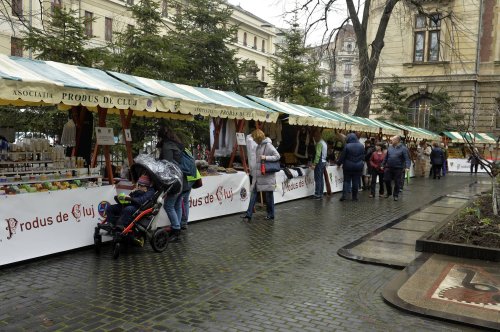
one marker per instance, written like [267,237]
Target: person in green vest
[319,164]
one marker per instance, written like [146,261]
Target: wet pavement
[228,275]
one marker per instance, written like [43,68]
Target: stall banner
[220,195]
[462,165]
[39,224]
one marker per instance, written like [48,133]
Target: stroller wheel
[97,243]
[116,250]
[159,241]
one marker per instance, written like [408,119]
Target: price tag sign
[128,135]
[104,136]
[240,138]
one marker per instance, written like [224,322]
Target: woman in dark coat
[352,159]
[170,149]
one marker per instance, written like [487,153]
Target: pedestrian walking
[445,163]
[266,182]
[352,160]
[171,148]
[396,161]
[319,164]
[375,161]
[437,160]
[367,172]
[474,162]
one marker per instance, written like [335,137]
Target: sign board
[128,135]
[240,138]
[104,136]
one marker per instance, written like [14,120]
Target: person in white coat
[265,183]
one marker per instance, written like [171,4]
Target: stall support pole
[78,114]
[126,125]
[102,123]
[218,126]
[327,181]
[239,126]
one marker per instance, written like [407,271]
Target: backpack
[187,164]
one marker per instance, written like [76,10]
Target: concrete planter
[428,243]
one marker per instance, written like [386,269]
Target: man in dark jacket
[396,161]
[352,159]
[437,160]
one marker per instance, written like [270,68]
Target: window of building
[347,85]
[17,8]
[130,2]
[263,74]
[347,68]
[349,47]
[164,8]
[245,39]
[54,4]
[236,38]
[89,17]
[16,46]
[255,43]
[178,9]
[419,112]
[263,45]
[427,34]
[497,114]
[108,29]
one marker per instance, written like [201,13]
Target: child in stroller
[120,214]
[136,222]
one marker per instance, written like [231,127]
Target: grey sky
[273,12]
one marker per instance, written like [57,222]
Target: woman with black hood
[171,147]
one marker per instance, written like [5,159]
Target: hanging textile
[68,137]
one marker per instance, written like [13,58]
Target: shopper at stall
[445,163]
[262,182]
[437,160]
[319,164]
[474,161]
[120,215]
[375,161]
[171,148]
[396,161]
[352,160]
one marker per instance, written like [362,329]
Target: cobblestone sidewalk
[227,275]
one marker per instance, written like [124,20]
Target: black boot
[174,235]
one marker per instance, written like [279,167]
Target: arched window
[263,45]
[420,112]
[255,42]
[245,39]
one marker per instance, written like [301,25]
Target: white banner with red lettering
[220,195]
[39,224]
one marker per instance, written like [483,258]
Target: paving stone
[416,225]
[226,275]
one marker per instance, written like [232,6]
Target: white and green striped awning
[312,116]
[25,82]
[416,132]
[461,137]
[179,98]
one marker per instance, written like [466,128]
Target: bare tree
[369,51]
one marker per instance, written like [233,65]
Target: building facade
[255,39]
[453,48]
[339,69]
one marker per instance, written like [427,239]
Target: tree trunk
[368,62]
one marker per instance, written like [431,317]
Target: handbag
[269,167]
[197,184]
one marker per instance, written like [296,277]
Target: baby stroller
[167,179]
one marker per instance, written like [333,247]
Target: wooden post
[126,125]
[327,180]
[239,126]
[102,123]
[218,126]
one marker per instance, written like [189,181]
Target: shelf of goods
[45,183]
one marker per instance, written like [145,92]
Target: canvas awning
[25,82]
[186,99]
[416,132]
[312,116]
[460,137]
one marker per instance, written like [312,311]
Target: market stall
[50,202]
[459,151]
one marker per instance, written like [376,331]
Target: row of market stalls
[66,200]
